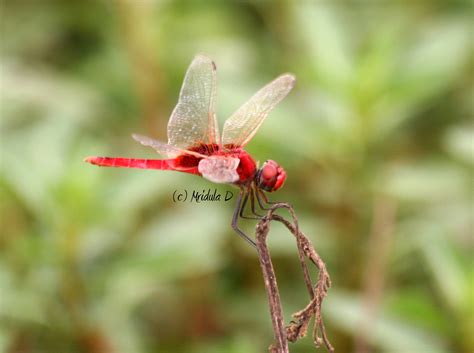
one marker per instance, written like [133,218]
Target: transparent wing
[163,148]
[193,119]
[244,123]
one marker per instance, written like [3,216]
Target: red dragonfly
[194,145]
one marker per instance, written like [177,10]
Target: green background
[376,139]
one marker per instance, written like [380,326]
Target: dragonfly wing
[164,148]
[193,120]
[244,123]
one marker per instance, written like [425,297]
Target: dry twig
[298,327]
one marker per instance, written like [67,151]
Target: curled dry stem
[298,327]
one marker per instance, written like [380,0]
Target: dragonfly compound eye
[271,176]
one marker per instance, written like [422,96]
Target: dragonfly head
[271,176]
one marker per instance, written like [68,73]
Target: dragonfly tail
[159,164]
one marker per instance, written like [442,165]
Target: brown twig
[298,327]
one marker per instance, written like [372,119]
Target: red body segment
[184,163]
[160,164]
[247,167]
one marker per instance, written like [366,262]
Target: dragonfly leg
[235,218]
[242,207]
[262,199]
[252,203]
[249,193]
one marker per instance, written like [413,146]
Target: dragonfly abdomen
[161,164]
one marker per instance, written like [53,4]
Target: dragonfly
[195,146]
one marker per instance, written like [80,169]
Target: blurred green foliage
[102,260]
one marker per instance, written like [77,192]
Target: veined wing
[244,123]
[193,119]
[164,148]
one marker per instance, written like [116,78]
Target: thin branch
[298,327]
[272,289]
